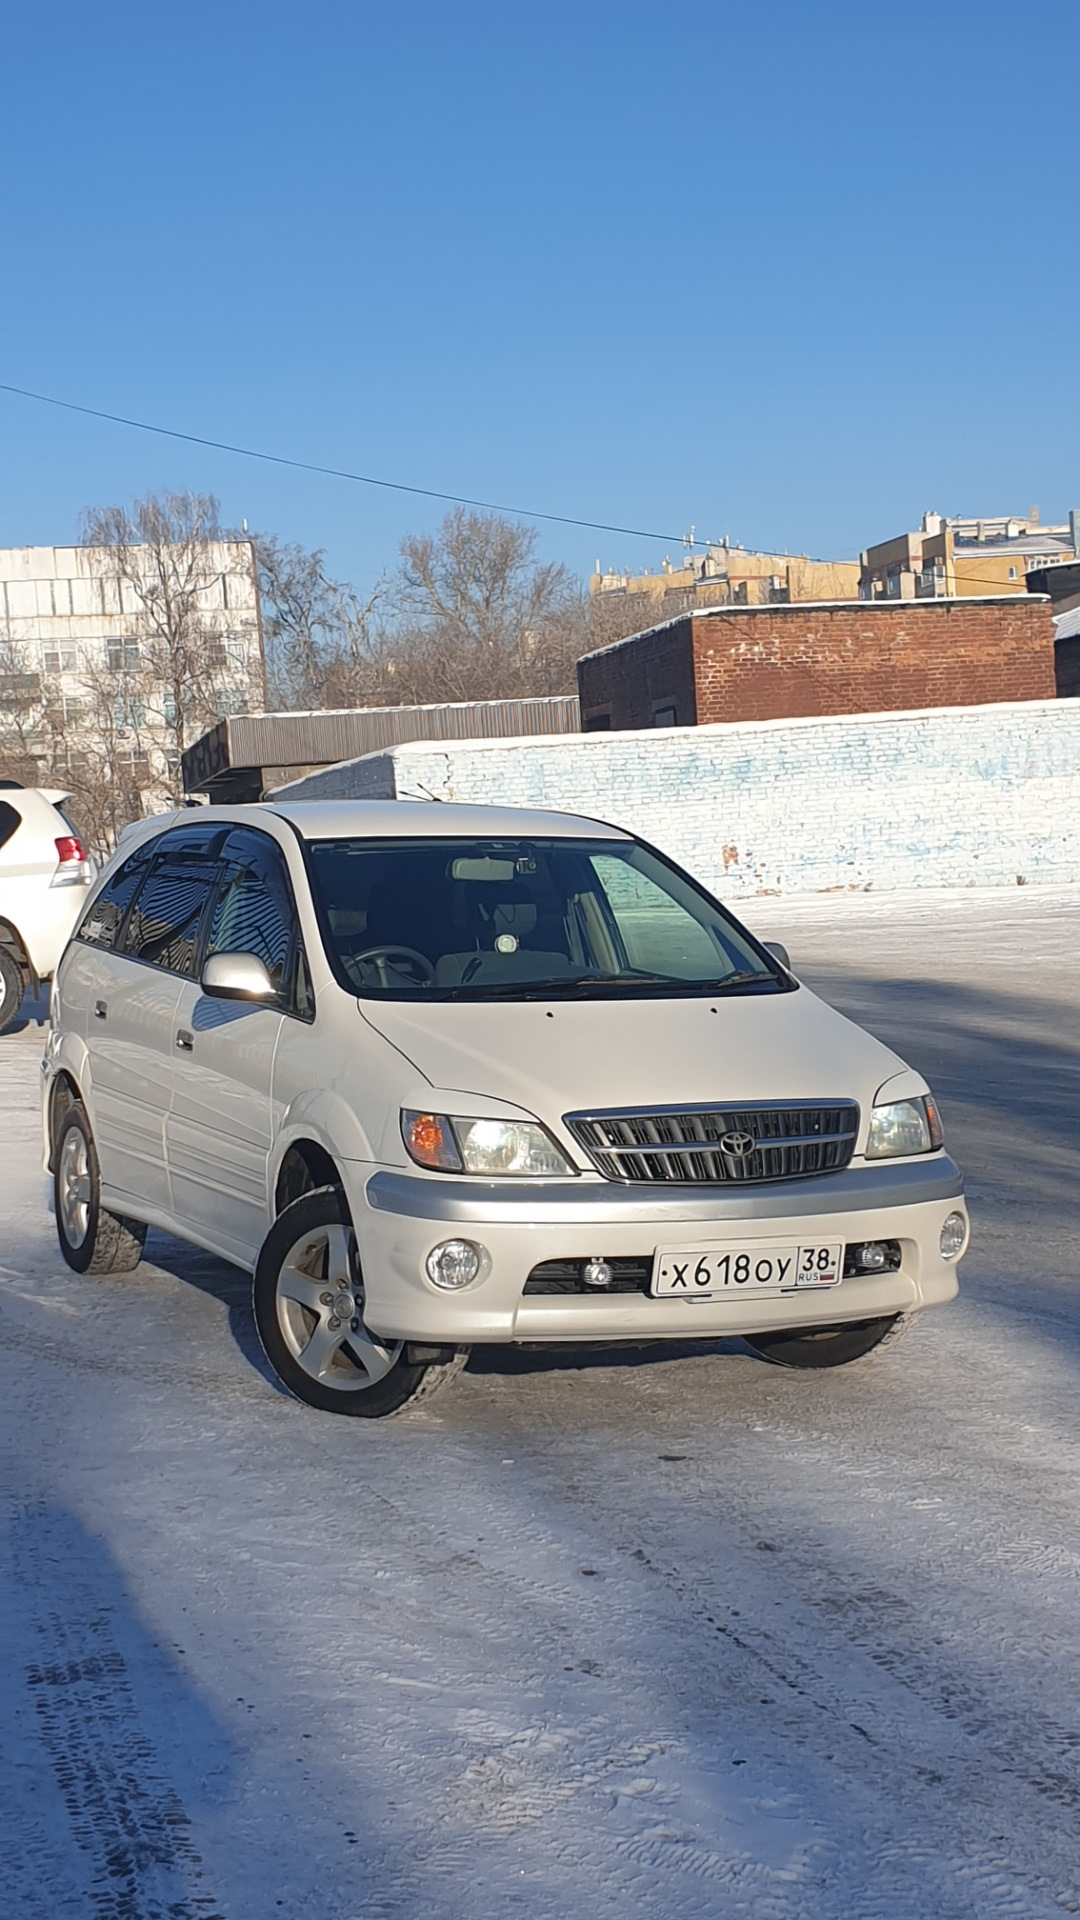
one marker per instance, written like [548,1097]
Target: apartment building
[112,662]
[970,558]
[727,576]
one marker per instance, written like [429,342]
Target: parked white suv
[44,874]
[445,1075]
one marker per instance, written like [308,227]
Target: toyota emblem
[737,1145]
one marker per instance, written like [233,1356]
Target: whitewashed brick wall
[955,796]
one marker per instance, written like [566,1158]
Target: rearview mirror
[778,951]
[483,867]
[237,976]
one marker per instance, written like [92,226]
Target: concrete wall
[766,663]
[970,796]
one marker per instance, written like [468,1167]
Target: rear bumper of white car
[45,920]
[401,1217]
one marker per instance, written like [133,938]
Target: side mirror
[236,976]
[778,951]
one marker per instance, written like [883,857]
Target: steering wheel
[382,955]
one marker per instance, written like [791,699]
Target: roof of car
[329,819]
[382,819]
[385,819]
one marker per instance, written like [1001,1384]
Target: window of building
[597,723]
[18,690]
[664,714]
[128,713]
[1012,573]
[229,700]
[124,656]
[133,766]
[60,659]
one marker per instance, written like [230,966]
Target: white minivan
[445,1075]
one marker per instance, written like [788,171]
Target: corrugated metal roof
[322,738]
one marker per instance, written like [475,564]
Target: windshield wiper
[565,983]
[736,980]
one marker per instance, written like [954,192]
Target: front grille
[790,1141]
[564,1276]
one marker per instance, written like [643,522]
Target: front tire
[308,1298]
[809,1347]
[11,990]
[92,1240]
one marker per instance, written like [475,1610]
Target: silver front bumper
[401,1216]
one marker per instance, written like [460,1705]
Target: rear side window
[104,917]
[167,917]
[9,822]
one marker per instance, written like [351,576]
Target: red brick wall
[771,663]
[630,680]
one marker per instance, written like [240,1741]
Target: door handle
[184,1040]
[101,1008]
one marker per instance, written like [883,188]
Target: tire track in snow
[126,1817]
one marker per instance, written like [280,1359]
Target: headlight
[906,1126]
[492,1147]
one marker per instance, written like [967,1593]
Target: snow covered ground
[675,1634]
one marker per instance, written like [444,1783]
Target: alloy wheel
[73,1187]
[320,1311]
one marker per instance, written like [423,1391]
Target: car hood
[564,1057]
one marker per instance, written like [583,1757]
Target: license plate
[732,1273]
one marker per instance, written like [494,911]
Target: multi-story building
[967,558]
[728,576]
[113,660]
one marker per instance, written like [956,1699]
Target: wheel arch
[64,1093]
[318,1131]
[12,940]
[305,1165]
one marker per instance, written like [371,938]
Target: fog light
[953,1236]
[597,1273]
[453,1264]
[872,1256]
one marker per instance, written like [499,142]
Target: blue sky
[789,272]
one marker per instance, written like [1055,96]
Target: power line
[339,473]
[400,486]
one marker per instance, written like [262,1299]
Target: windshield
[469,919]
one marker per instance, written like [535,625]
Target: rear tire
[308,1297]
[92,1240]
[807,1347]
[11,990]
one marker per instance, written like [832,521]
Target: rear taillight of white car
[74,869]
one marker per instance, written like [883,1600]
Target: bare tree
[160,563]
[476,616]
[47,740]
[322,648]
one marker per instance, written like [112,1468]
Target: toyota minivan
[444,1075]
